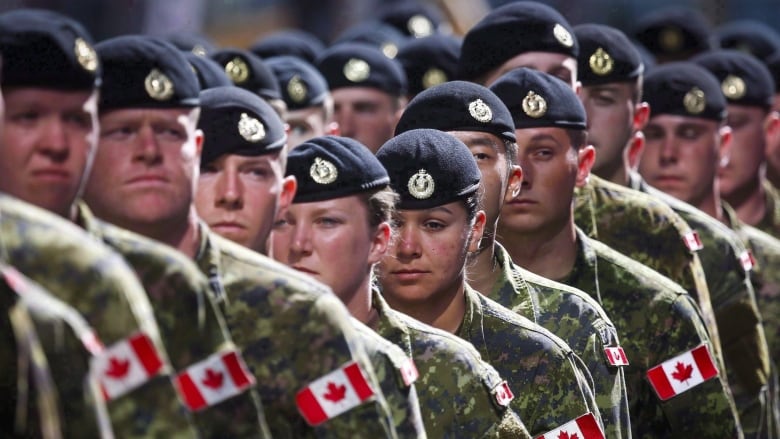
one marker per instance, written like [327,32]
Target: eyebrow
[483,141]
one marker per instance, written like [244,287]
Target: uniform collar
[511,287]
[390,325]
[209,261]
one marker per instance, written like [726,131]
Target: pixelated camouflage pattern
[191,325]
[579,321]
[454,387]
[770,223]
[95,281]
[292,330]
[388,359]
[743,341]
[551,385]
[657,320]
[648,231]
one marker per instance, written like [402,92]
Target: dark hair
[511,153]
[577,137]
[472,203]
[381,206]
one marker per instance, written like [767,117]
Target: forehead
[528,135]
[145,114]
[346,95]
[745,111]
[341,203]
[45,97]
[673,121]
[624,89]
[548,62]
[479,138]
[305,113]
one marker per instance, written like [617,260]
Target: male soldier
[309,103]
[539,365]
[673,34]
[47,146]
[242,185]
[659,323]
[368,92]
[686,138]
[476,116]
[291,330]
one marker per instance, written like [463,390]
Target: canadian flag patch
[126,365]
[692,241]
[409,372]
[584,427]
[213,380]
[503,394]
[747,260]
[616,356]
[683,372]
[333,394]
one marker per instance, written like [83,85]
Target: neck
[551,254]
[710,204]
[360,304]
[616,174]
[749,202]
[181,234]
[444,311]
[482,271]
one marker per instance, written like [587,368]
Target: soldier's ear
[477,230]
[515,183]
[633,153]
[726,137]
[585,158]
[641,116]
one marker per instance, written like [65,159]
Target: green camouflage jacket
[457,390]
[191,325]
[657,321]
[578,320]
[770,223]
[293,331]
[551,384]
[745,349]
[396,373]
[97,283]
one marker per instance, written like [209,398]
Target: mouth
[409,275]
[227,226]
[147,179]
[304,270]
[53,174]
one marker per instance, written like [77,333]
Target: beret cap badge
[733,87]
[237,70]
[85,54]
[421,185]
[433,77]
[562,35]
[694,101]
[323,171]
[671,39]
[601,63]
[356,70]
[251,129]
[480,111]
[297,89]
[158,86]
[389,49]
[534,105]
[419,26]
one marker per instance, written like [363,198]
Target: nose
[147,149]
[669,151]
[344,118]
[54,142]
[301,241]
[230,190]
[408,244]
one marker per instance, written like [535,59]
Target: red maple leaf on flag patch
[213,379]
[566,435]
[335,393]
[682,372]
[117,368]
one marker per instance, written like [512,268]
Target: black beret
[45,49]
[606,55]
[191,42]
[429,61]
[145,72]
[209,73]
[413,18]
[429,168]
[359,65]
[302,85]
[744,80]
[330,167]
[684,89]
[772,62]
[753,37]
[537,99]
[458,106]
[248,71]
[236,121]
[374,33]
[673,32]
[513,29]
[292,42]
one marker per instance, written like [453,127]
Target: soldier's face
[552,168]
[333,242]
[47,146]
[425,263]
[145,168]
[239,197]
[741,171]
[559,65]
[610,110]
[681,156]
[365,114]
[305,124]
[773,144]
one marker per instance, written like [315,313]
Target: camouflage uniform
[292,330]
[770,223]
[743,340]
[191,324]
[456,388]
[578,320]
[97,283]
[549,377]
[389,363]
[658,320]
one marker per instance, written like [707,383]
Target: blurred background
[241,22]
